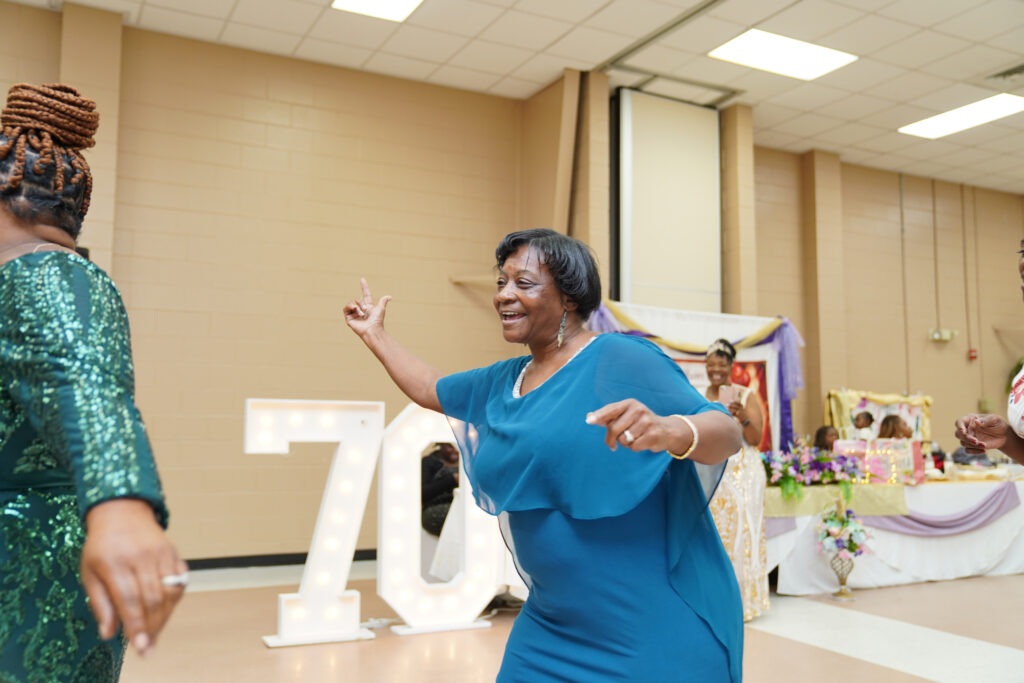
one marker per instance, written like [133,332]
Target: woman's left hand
[633,425]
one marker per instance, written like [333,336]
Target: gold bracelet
[693,444]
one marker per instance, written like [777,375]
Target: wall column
[589,221]
[90,60]
[739,234]
[822,236]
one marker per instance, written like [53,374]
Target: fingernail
[590,418]
[141,643]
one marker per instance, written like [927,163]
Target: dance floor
[958,631]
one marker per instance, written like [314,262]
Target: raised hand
[363,315]
[125,559]
[979,433]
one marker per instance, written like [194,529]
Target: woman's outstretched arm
[414,377]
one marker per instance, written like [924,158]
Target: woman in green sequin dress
[81,508]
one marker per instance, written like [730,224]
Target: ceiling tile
[515,88]
[953,96]
[1015,121]
[288,16]
[808,124]
[710,70]
[1012,40]
[332,53]
[851,155]
[896,116]
[465,79]
[966,157]
[659,59]
[865,5]
[423,43]
[854,107]
[575,11]
[353,29]
[544,69]
[767,115]
[527,31]
[860,74]
[748,12]
[681,91]
[977,61]
[919,49]
[849,134]
[927,169]
[219,9]
[867,34]
[261,39]
[462,17]
[617,78]
[808,97]
[980,135]
[702,35]
[589,45]
[1008,144]
[127,8]
[985,21]
[926,13]
[180,23]
[499,3]
[888,142]
[810,19]
[635,18]
[774,139]
[403,67]
[761,85]
[929,149]
[908,87]
[491,57]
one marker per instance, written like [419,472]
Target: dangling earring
[561,329]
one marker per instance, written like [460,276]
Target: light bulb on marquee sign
[323,611]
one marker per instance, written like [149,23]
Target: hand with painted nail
[633,425]
[979,433]
[124,561]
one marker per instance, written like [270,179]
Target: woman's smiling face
[528,300]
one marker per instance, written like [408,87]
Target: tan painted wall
[253,193]
[887,344]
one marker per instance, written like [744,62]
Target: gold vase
[842,568]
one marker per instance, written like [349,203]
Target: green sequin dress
[70,437]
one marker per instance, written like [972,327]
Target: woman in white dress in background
[738,504]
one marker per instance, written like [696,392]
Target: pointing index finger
[367,297]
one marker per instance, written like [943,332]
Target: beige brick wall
[29,45]
[253,192]
[977,291]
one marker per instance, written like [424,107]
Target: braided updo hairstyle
[43,176]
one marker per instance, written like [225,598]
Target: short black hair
[571,263]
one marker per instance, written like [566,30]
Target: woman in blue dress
[628,577]
[81,508]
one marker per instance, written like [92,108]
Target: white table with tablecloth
[995,546]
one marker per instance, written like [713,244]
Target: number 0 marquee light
[323,610]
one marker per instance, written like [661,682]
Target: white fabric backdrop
[695,327]
[996,549]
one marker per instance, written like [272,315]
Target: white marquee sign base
[323,611]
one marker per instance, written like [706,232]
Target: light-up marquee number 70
[322,610]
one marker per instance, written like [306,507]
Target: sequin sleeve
[65,359]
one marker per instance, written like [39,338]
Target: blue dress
[628,578]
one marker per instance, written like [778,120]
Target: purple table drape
[991,508]
[776,526]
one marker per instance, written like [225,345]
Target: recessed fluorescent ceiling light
[392,10]
[781,55]
[967,116]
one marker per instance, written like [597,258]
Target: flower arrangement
[840,532]
[805,465]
